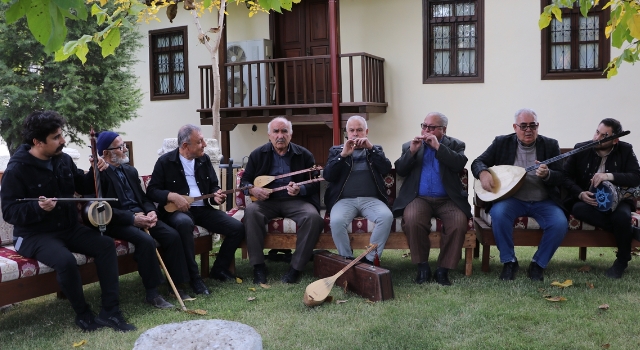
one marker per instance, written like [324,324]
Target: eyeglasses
[121,147]
[430,127]
[532,126]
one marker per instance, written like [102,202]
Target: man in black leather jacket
[187,171]
[355,173]
[612,161]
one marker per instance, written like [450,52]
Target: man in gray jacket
[431,164]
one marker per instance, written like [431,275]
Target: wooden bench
[278,238]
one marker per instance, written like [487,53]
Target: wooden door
[303,31]
[316,138]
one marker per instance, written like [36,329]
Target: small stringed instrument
[97,213]
[507,179]
[271,190]
[264,180]
[318,291]
[171,207]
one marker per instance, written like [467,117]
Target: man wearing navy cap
[134,213]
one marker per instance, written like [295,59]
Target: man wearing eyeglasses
[612,161]
[355,173]
[134,213]
[431,163]
[538,197]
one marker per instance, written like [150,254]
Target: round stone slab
[200,335]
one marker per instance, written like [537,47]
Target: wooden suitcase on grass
[371,282]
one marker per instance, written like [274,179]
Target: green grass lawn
[477,312]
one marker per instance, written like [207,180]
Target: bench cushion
[574,224]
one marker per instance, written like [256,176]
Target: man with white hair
[355,173]
[431,163]
[538,197]
[300,203]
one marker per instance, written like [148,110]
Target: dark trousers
[416,224]
[304,214]
[216,221]
[617,222]
[54,250]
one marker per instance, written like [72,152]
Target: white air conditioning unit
[243,51]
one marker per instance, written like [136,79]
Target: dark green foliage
[103,93]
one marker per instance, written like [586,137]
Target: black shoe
[292,276]
[183,295]
[616,270]
[159,302]
[260,274]
[199,287]
[535,272]
[442,276]
[509,271]
[222,275]
[114,320]
[635,231]
[424,273]
[366,261]
[86,321]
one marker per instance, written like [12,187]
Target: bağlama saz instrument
[507,179]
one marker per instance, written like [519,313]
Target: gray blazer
[452,160]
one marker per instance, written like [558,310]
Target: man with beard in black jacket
[612,161]
[48,230]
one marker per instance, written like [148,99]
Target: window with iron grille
[575,48]
[168,63]
[453,41]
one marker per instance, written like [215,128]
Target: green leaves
[110,42]
[17,10]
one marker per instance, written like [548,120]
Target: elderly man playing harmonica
[355,173]
[431,164]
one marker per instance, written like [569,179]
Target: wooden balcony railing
[295,81]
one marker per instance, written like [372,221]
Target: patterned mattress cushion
[14,265]
[574,224]
[359,225]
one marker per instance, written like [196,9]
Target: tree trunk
[213,47]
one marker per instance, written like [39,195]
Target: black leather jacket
[338,169]
[168,176]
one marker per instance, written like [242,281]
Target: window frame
[604,45]
[427,78]
[152,61]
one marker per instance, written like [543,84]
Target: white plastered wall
[568,110]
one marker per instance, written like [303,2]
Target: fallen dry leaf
[251,289]
[546,296]
[80,343]
[540,290]
[604,307]
[369,301]
[589,285]
[251,298]
[238,280]
[405,255]
[564,284]
[558,298]
[341,301]
[606,346]
[197,312]
[265,286]
[585,268]
[635,253]
[344,287]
